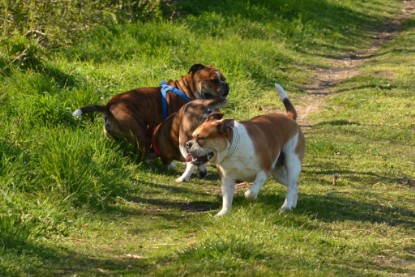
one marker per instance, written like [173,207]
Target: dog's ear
[226,126]
[196,67]
[215,116]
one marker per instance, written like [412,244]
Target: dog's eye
[200,139]
[209,111]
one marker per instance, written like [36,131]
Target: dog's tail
[89,109]
[291,112]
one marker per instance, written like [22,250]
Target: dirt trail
[346,66]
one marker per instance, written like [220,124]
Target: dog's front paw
[222,213]
[202,173]
[182,179]
[250,196]
[172,166]
[283,209]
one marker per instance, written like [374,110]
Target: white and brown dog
[251,151]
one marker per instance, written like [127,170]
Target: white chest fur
[242,164]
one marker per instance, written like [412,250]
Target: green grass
[74,202]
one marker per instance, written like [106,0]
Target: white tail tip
[78,112]
[281,91]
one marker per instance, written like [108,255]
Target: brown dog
[134,114]
[170,136]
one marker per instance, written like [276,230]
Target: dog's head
[209,82]
[195,113]
[211,140]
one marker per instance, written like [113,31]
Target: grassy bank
[74,202]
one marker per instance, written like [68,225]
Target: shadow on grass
[61,78]
[37,260]
[192,206]
[335,206]
[340,122]
[300,22]
[218,257]
[163,199]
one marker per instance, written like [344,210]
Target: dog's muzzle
[194,158]
[225,89]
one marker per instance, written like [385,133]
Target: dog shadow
[161,168]
[184,206]
[334,207]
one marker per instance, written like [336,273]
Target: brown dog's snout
[189,144]
[226,89]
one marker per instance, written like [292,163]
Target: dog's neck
[234,142]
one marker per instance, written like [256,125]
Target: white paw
[283,209]
[249,195]
[182,179]
[222,213]
[77,113]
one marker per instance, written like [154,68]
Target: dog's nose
[226,89]
[189,144]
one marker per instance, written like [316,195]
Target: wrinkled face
[197,111]
[210,140]
[210,82]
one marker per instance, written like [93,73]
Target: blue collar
[166,88]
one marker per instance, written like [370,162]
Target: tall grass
[60,176]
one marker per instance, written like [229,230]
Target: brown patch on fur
[300,149]
[271,132]
[289,107]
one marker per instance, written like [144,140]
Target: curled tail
[89,109]
[291,112]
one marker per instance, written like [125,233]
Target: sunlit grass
[74,202]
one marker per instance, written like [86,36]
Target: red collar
[156,150]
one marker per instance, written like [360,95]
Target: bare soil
[346,66]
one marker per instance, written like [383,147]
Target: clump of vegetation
[31,28]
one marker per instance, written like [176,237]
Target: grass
[72,202]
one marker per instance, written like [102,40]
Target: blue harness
[166,88]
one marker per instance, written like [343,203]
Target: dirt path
[346,66]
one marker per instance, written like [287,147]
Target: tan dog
[171,135]
[251,151]
[134,114]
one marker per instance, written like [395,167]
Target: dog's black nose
[189,144]
[226,89]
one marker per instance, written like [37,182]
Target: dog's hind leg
[288,175]
[138,136]
[280,174]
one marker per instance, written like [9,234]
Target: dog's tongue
[188,158]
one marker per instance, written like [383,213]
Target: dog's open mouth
[198,160]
